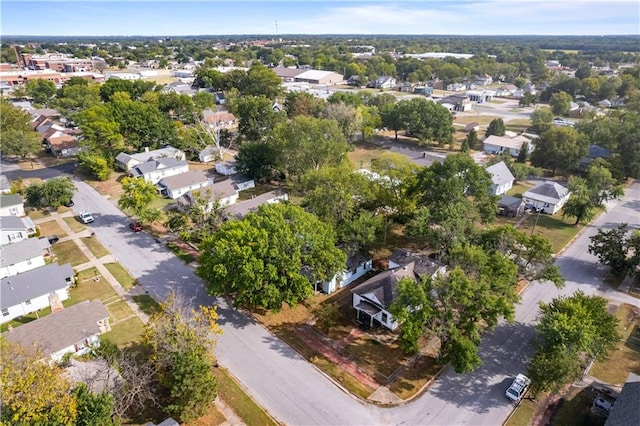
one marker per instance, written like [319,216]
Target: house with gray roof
[73,330]
[11,205]
[510,206]
[33,290]
[501,178]
[5,185]
[127,161]
[595,151]
[626,409]
[548,197]
[21,257]
[155,170]
[12,230]
[178,185]
[224,193]
[240,210]
[357,266]
[504,144]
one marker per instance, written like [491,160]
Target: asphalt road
[295,393]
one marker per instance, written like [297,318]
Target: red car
[135,227]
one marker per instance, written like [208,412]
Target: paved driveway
[297,394]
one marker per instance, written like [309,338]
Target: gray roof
[10,200]
[548,192]
[166,152]
[384,286]
[159,164]
[422,265]
[182,180]
[626,409]
[5,184]
[500,173]
[20,251]
[240,210]
[513,202]
[11,223]
[61,329]
[34,283]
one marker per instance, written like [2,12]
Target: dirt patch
[111,188]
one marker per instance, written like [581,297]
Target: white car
[85,217]
[518,388]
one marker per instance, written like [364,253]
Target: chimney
[146,149]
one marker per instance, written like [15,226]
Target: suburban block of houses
[547,197]
[73,330]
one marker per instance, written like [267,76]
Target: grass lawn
[74,224]
[341,376]
[480,119]
[248,194]
[161,203]
[626,358]
[517,125]
[69,252]
[558,230]
[518,189]
[523,414]
[234,396]
[213,416]
[576,409]
[121,275]
[36,214]
[119,311]
[415,377]
[51,228]
[126,333]
[361,156]
[88,289]
[185,257]
[384,359]
[96,248]
[147,304]
[496,101]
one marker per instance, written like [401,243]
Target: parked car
[518,388]
[52,239]
[69,203]
[135,226]
[85,217]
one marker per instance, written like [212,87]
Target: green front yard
[121,275]
[74,224]
[69,252]
[126,333]
[51,228]
[95,246]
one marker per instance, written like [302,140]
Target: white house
[11,205]
[240,210]
[208,154]
[12,230]
[5,185]
[155,170]
[73,330]
[33,290]
[501,144]
[21,257]
[127,161]
[224,193]
[178,185]
[227,168]
[501,177]
[357,266]
[243,182]
[548,197]
[383,82]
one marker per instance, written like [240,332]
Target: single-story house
[208,154]
[595,151]
[423,90]
[20,257]
[221,119]
[510,206]
[423,266]
[501,177]
[456,87]
[11,205]
[501,144]
[243,182]
[222,192]
[548,197]
[481,96]
[227,168]
[240,210]
[155,170]
[33,290]
[178,185]
[460,102]
[357,266]
[354,80]
[627,406]
[12,230]
[383,82]
[5,185]
[73,330]
[483,80]
[127,161]
[63,144]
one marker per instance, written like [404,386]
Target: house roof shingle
[384,286]
[153,165]
[500,173]
[10,200]
[626,409]
[10,223]
[242,209]
[547,192]
[20,251]
[61,329]
[511,143]
[34,283]
[183,180]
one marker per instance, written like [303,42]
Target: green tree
[541,120]
[303,103]
[136,198]
[97,166]
[41,91]
[182,341]
[135,89]
[261,81]
[51,193]
[559,147]
[256,117]
[258,160]
[528,99]
[571,328]
[426,120]
[472,139]
[100,131]
[17,136]
[617,248]
[203,100]
[93,409]
[394,187]
[560,103]
[392,117]
[33,392]
[347,117]
[523,154]
[74,96]
[496,127]
[270,257]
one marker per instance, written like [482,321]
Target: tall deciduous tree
[256,117]
[559,148]
[560,103]
[136,198]
[541,120]
[52,193]
[33,391]
[100,131]
[270,257]
[426,120]
[496,127]
[42,91]
[571,329]
[617,248]
[303,103]
[258,160]
[17,136]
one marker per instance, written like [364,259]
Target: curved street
[296,393]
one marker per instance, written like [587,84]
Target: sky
[219,17]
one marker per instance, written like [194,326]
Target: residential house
[73,330]
[357,266]
[405,87]
[511,206]
[505,90]
[208,154]
[460,102]
[20,257]
[423,90]
[373,298]
[62,143]
[12,230]
[528,88]
[243,182]
[502,144]
[127,161]
[224,193]
[354,80]
[483,80]
[219,119]
[11,205]
[178,185]
[383,82]
[627,406]
[240,210]
[227,168]
[481,96]
[456,87]
[548,197]
[501,178]
[595,151]
[5,185]
[155,170]
[33,290]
